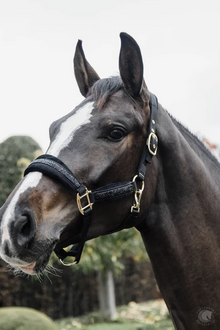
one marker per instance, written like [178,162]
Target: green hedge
[19,318]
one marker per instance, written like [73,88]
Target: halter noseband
[56,169]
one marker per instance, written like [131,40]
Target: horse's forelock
[103,89]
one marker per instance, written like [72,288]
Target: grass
[150,315]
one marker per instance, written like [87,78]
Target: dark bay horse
[101,145]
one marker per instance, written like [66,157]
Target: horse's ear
[131,66]
[84,72]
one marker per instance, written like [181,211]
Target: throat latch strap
[151,146]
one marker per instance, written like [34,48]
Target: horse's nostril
[25,226]
[25,230]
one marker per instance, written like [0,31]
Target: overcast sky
[179,41]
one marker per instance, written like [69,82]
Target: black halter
[55,168]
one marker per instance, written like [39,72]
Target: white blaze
[31,180]
[69,127]
[67,130]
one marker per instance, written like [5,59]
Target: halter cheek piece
[56,169]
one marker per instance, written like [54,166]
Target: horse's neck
[183,226]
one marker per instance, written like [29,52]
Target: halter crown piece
[56,169]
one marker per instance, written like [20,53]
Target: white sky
[179,41]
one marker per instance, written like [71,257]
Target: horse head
[101,142]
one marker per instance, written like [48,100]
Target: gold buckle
[153,152]
[137,196]
[79,203]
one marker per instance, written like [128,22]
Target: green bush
[15,154]
[20,318]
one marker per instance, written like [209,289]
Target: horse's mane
[196,141]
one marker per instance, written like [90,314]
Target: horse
[120,160]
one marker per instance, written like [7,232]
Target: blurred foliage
[149,315]
[15,154]
[19,318]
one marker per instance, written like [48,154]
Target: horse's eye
[117,134]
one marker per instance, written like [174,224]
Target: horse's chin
[38,265]
[29,269]
[42,263]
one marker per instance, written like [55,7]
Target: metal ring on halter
[68,264]
[137,196]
